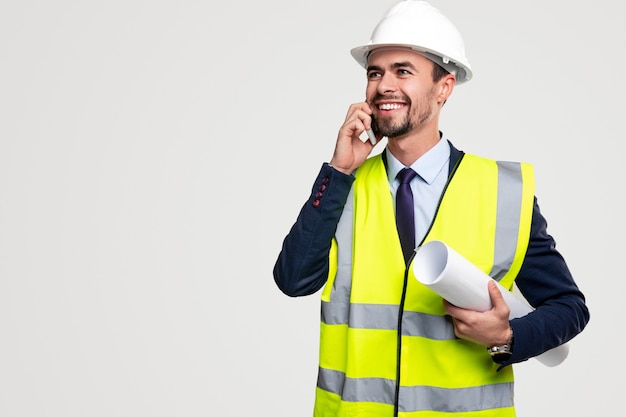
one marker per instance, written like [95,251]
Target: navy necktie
[405,215]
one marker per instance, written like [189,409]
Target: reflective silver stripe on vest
[385,317]
[508,217]
[485,397]
[342,286]
[378,390]
[427,325]
[416,398]
[361,316]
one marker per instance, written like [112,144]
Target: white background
[153,154]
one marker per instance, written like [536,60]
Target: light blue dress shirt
[427,186]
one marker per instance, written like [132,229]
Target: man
[388,345]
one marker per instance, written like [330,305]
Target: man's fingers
[497,299]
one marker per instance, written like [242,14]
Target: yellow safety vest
[386,346]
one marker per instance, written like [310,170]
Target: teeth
[389,106]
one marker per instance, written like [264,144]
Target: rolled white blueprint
[463,284]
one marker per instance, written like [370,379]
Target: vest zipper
[396,401]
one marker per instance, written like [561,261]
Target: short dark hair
[438,72]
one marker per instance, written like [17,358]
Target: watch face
[501,356]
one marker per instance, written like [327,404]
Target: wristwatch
[502,353]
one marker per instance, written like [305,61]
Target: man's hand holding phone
[351,150]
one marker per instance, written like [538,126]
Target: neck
[409,148]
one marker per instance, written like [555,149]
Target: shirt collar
[427,166]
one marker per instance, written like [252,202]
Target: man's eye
[404,72]
[373,74]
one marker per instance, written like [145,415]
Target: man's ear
[446,85]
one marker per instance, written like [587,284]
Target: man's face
[401,91]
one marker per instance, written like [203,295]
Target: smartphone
[372,136]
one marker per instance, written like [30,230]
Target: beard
[386,126]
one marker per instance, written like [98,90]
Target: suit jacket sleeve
[546,282]
[302,264]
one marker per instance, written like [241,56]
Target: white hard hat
[421,27]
